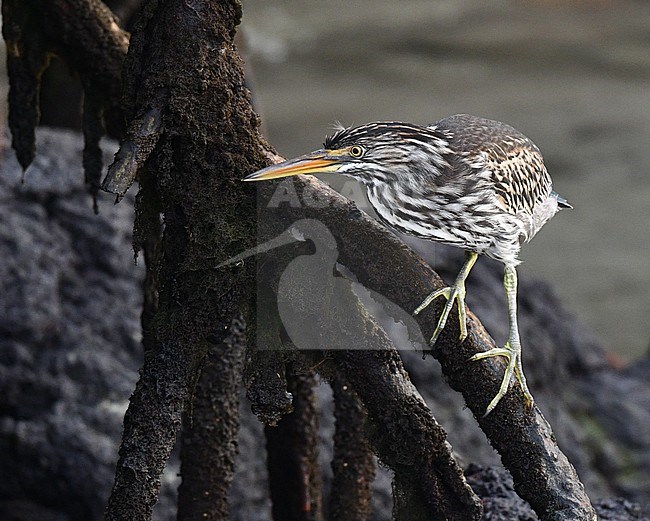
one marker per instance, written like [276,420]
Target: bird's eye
[356,151]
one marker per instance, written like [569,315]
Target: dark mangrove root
[406,437]
[184,86]
[210,429]
[542,474]
[353,466]
[147,237]
[292,452]
[267,388]
[93,129]
[85,35]
[325,320]
[141,138]
[265,373]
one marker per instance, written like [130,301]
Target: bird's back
[515,165]
[506,190]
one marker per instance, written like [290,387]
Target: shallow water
[573,76]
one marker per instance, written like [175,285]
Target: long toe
[456,292]
[514,367]
[495,351]
[442,321]
[450,294]
[455,295]
[521,378]
[511,355]
[462,317]
[505,384]
[444,292]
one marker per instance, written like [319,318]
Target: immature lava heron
[466,181]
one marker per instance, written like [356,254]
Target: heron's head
[370,153]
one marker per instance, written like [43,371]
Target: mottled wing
[519,177]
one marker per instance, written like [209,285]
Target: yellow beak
[313,163]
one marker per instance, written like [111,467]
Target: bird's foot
[452,293]
[512,351]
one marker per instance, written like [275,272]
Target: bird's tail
[561,201]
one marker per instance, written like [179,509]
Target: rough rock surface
[69,354]
[500,502]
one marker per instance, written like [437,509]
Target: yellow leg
[452,293]
[512,349]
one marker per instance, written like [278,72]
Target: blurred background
[574,76]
